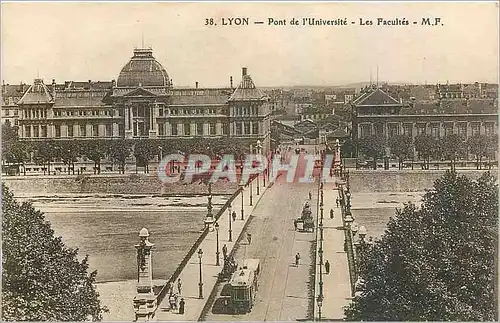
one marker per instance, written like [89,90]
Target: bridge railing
[163,292]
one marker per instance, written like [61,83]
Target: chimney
[113,83]
[231,81]
[53,86]
[196,84]
[244,71]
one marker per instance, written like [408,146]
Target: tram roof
[242,277]
[252,264]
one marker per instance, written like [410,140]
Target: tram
[244,285]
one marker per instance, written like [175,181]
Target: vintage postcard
[237,161]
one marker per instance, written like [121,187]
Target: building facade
[376,113]
[141,103]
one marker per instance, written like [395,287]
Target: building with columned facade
[141,103]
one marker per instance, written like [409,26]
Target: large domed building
[143,103]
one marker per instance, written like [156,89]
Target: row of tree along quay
[17,153]
[451,148]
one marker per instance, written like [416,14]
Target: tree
[119,151]
[401,146]
[453,146]
[436,262]
[424,146]
[478,146]
[69,151]
[144,151]
[95,150]
[372,147]
[45,151]
[42,279]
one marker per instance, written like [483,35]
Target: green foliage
[435,263]
[453,146]
[42,279]
[401,146]
[426,147]
[144,151]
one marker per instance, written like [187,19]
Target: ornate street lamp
[242,212]
[321,231]
[259,147]
[362,233]
[251,190]
[217,253]
[348,195]
[200,284]
[230,224]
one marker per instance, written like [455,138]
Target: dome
[143,70]
[144,232]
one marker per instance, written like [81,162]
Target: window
[95,130]
[83,131]
[6,112]
[211,129]
[379,129]
[161,129]
[238,128]
[435,130]
[247,128]
[121,130]
[160,112]
[70,130]
[408,129]
[43,131]
[57,131]
[174,129]
[225,128]
[199,129]
[255,127]
[462,129]
[365,130]
[27,130]
[108,130]
[392,129]
[420,129]
[488,129]
[35,131]
[187,129]
[448,129]
[475,128]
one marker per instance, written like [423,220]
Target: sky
[93,41]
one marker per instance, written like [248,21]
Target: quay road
[284,289]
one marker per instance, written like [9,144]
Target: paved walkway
[190,275]
[336,285]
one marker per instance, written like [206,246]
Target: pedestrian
[327,267]
[310,195]
[234,216]
[171,301]
[249,237]
[179,286]
[297,258]
[176,298]
[224,252]
[337,200]
[295,224]
[331,214]
[181,306]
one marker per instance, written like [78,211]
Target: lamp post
[348,195]
[251,190]
[259,146]
[200,284]
[242,211]
[321,231]
[217,253]
[349,249]
[230,225]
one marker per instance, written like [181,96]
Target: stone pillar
[218,128]
[116,130]
[153,125]
[145,300]
[129,130]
